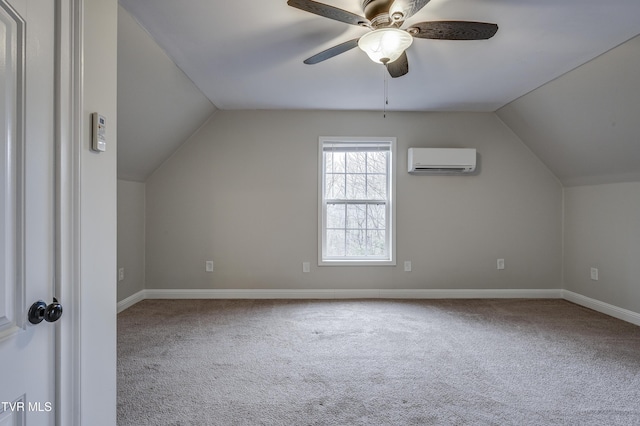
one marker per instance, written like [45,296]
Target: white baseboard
[132,300]
[605,308]
[352,294]
[596,305]
[470,294]
[338,294]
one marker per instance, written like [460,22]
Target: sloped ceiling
[248,54]
[585,125]
[159,107]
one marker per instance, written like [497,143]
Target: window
[356,190]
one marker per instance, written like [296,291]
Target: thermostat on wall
[99,133]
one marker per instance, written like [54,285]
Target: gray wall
[243,192]
[584,126]
[131,218]
[602,230]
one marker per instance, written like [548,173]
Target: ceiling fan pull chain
[386,93]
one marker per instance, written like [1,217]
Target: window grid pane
[335,242]
[335,186]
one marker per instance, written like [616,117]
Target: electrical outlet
[500,264]
[407,266]
[594,274]
[306,267]
[208,266]
[120,274]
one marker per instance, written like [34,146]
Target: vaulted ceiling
[179,61]
[158,106]
[248,54]
[584,125]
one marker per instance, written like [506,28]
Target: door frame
[69,130]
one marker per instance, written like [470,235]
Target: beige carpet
[375,362]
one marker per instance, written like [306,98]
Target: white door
[27,206]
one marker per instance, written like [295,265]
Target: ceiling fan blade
[399,67]
[332,51]
[408,7]
[329,12]
[453,30]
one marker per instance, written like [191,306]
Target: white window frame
[390,258]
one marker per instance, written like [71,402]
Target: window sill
[358,262]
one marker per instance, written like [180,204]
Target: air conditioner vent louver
[435,169]
[441,160]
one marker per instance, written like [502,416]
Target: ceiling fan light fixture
[385,45]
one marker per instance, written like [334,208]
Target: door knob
[41,311]
[53,311]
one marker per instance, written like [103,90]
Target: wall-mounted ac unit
[442,160]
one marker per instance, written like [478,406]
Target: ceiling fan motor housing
[377,12]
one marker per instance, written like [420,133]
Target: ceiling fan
[386,42]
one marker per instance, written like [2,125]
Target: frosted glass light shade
[385,45]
